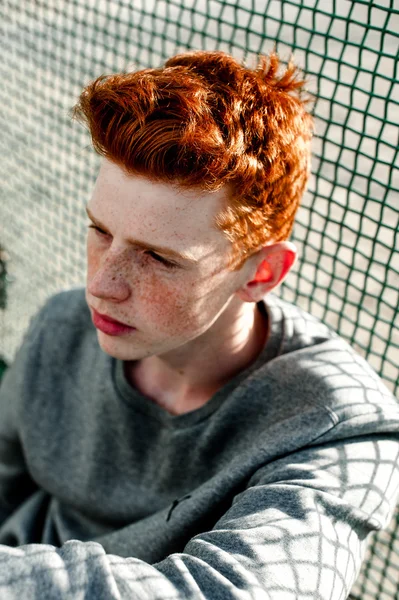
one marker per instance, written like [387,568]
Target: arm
[297,531]
[15,482]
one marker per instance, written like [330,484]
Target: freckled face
[168,305]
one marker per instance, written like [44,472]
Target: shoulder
[61,329]
[66,311]
[299,329]
[58,345]
[69,305]
[317,367]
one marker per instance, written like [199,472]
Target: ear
[274,264]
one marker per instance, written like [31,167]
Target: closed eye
[97,229]
[161,259]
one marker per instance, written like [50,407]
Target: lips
[110,326]
[110,320]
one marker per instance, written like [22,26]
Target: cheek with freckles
[173,306]
[92,262]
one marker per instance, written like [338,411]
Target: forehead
[158,212]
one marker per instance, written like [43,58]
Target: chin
[117,348]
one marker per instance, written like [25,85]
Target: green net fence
[347,227]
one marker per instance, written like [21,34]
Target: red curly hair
[205,120]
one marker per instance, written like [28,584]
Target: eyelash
[150,253]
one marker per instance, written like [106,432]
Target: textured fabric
[268,491]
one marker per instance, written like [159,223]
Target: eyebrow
[164,250]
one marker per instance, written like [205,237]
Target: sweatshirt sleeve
[297,531]
[15,482]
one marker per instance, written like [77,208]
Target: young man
[173,431]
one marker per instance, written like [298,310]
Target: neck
[186,378]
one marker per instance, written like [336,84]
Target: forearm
[297,531]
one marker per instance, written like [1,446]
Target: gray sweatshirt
[268,491]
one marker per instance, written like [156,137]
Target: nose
[107,279]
